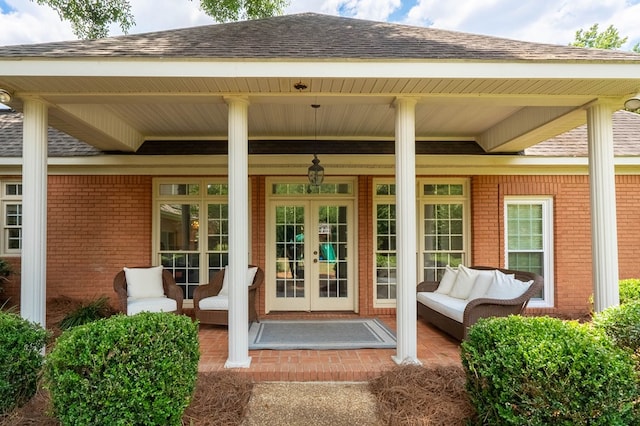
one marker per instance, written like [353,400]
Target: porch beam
[33,275]
[238,232]
[530,125]
[406,327]
[602,185]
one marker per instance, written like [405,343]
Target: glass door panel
[332,285]
[309,257]
[290,292]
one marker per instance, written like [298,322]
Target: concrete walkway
[311,404]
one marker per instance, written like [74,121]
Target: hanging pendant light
[316,171]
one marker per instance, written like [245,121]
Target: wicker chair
[220,316]
[171,291]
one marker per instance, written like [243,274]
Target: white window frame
[547,301]
[380,199]
[202,200]
[463,199]
[421,199]
[7,200]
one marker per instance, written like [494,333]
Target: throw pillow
[447,281]
[224,291]
[144,282]
[464,282]
[507,287]
[482,283]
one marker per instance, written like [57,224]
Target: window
[529,241]
[443,233]
[444,216]
[12,218]
[385,244]
[192,246]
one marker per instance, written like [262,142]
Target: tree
[608,39]
[90,19]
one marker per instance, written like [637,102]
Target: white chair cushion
[507,287]
[151,304]
[224,291]
[144,282]
[446,305]
[214,303]
[447,281]
[481,284]
[464,282]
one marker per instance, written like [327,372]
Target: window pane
[217,189]
[185,268]
[179,224]
[179,189]
[443,236]
[13,189]
[385,251]
[13,215]
[306,189]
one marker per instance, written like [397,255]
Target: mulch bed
[415,395]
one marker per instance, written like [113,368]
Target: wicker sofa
[472,309]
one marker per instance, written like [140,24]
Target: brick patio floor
[434,348]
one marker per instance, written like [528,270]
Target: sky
[544,21]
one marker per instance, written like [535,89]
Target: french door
[310,251]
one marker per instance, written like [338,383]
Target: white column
[604,236]
[238,174]
[33,275]
[406,321]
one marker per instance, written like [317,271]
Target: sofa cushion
[464,282]
[482,283]
[214,303]
[251,273]
[507,287]
[446,305]
[447,281]
[150,304]
[144,282]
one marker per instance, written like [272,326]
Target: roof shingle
[315,36]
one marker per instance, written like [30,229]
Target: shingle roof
[60,144]
[315,36]
[626,139]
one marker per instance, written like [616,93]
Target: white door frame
[310,202]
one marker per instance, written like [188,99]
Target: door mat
[321,334]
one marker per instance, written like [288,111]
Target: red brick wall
[572,229]
[96,225]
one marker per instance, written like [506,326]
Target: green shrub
[21,346]
[629,290]
[621,324]
[542,371]
[124,370]
[87,312]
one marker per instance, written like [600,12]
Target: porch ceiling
[119,114]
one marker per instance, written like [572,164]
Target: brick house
[430,142]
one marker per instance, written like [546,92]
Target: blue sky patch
[5,8]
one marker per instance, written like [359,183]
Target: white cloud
[547,21]
[30,23]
